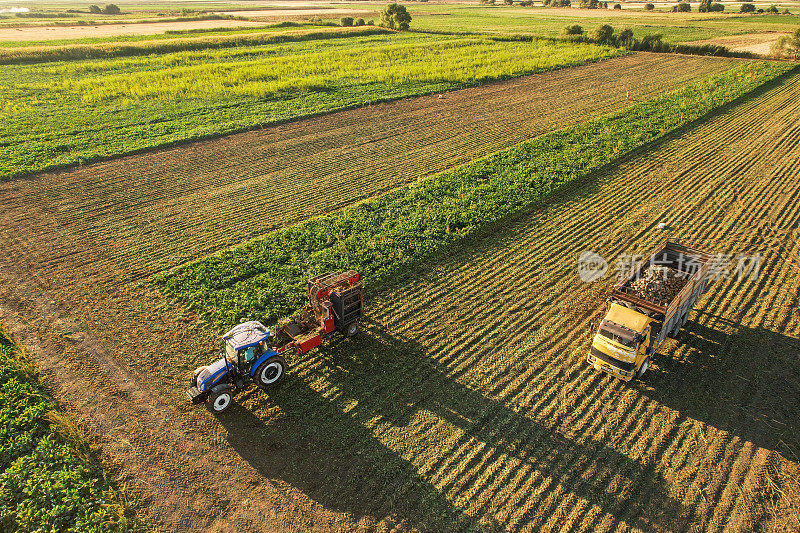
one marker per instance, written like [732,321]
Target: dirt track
[446,425]
[756,43]
[50,33]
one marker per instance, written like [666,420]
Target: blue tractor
[247,358]
[252,353]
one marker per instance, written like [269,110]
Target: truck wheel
[219,402]
[351,330]
[271,372]
[643,368]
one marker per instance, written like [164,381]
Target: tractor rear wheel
[219,401]
[270,373]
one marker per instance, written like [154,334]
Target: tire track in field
[750,136]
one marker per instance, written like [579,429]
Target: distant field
[55,33]
[675,27]
[68,112]
[756,43]
[169,34]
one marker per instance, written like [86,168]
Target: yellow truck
[650,304]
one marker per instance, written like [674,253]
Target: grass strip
[50,477]
[384,237]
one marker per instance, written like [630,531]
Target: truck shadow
[743,380]
[390,413]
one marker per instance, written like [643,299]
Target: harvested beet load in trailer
[653,302]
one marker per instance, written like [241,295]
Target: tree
[346,21]
[575,29]
[773,9]
[747,8]
[508,2]
[360,22]
[649,7]
[717,7]
[396,17]
[111,9]
[604,34]
[590,4]
[788,45]
[617,6]
[625,38]
[705,6]
[95,9]
[682,7]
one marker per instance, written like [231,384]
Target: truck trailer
[652,303]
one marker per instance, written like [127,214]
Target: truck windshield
[616,336]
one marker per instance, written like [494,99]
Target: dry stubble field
[466,401]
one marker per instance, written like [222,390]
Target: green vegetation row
[385,237]
[50,477]
[605,34]
[44,54]
[70,112]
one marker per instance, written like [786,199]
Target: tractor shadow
[380,388]
[739,379]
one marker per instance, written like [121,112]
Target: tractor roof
[247,334]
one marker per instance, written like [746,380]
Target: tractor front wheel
[219,401]
[271,372]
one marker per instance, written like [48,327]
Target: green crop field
[50,478]
[77,111]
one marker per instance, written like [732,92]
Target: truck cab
[622,342]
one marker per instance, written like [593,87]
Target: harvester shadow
[739,379]
[387,388]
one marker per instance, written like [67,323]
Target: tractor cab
[244,345]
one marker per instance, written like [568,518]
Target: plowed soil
[148,212]
[466,401]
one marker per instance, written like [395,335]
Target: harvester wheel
[643,368]
[219,401]
[351,330]
[271,372]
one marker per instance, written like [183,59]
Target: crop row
[50,479]
[386,236]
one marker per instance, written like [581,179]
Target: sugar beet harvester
[643,310]
[251,353]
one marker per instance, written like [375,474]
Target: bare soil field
[49,33]
[756,43]
[466,402]
[152,211]
[283,13]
